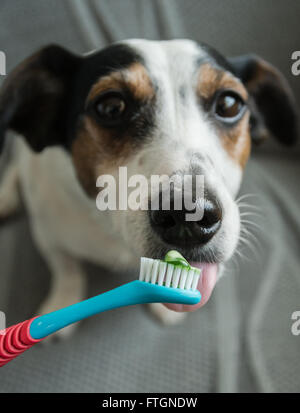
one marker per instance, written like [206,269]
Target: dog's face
[158,108]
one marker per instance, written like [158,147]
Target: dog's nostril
[212,215]
[163,219]
[173,227]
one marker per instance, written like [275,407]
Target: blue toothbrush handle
[20,337]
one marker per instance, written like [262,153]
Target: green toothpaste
[175,258]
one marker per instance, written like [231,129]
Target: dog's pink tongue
[207,281]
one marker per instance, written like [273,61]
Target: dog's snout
[174,228]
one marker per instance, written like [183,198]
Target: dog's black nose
[173,227]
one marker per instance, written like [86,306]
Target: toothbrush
[170,281]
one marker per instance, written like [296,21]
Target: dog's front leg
[67,287]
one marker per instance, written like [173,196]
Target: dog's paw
[165,316]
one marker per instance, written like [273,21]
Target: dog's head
[158,108]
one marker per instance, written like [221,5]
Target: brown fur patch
[237,141]
[212,79]
[134,78]
[97,151]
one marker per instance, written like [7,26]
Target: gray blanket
[241,341]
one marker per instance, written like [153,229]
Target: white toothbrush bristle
[143,269]
[165,274]
[183,278]
[162,272]
[154,271]
[169,274]
[189,280]
[195,281]
[176,277]
[149,270]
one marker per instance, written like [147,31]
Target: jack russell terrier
[155,107]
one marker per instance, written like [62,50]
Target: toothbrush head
[176,278]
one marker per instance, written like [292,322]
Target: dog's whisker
[253,248]
[245,196]
[246,238]
[246,231]
[252,237]
[246,214]
[254,224]
[246,205]
[247,242]
[256,210]
[244,202]
[241,255]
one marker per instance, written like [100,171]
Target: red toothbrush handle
[15,340]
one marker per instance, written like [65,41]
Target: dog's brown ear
[33,98]
[272,105]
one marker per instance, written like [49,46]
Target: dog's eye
[110,107]
[229,106]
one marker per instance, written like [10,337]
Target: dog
[156,107]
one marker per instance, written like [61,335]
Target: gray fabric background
[241,341]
